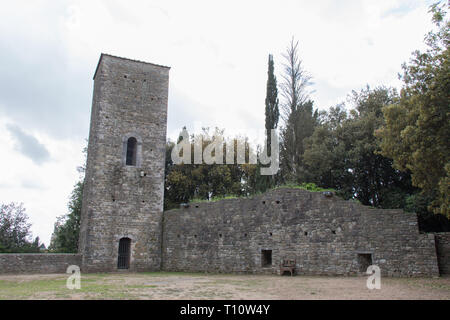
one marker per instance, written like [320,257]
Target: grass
[23,289]
[429,283]
[93,286]
[182,285]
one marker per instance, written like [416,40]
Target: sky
[217,52]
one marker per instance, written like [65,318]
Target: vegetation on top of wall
[214,199]
[306,186]
[312,187]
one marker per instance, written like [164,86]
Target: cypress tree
[272,116]
[272,111]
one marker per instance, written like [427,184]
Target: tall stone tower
[124,184]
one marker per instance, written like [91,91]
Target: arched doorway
[123,261]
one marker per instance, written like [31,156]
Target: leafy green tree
[417,130]
[343,153]
[272,109]
[428,222]
[375,181]
[272,114]
[185,182]
[300,126]
[15,234]
[67,227]
[326,152]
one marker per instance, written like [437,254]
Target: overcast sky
[218,55]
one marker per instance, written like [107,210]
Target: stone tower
[121,219]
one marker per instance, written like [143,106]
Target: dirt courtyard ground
[167,286]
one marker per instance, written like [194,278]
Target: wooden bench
[287,265]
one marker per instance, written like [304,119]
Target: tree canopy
[417,129]
[15,233]
[185,182]
[66,229]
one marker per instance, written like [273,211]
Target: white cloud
[218,54]
[44,189]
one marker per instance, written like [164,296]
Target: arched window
[123,261]
[131,151]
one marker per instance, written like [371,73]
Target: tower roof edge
[126,59]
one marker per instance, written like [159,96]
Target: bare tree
[296,113]
[295,81]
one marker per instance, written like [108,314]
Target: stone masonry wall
[443,252]
[324,234]
[37,262]
[119,200]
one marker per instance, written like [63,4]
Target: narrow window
[266,258]
[124,253]
[131,151]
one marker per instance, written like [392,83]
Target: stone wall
[37,262]
[443,252]
[325,235]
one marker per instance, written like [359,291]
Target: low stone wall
[325,235]
[443,252]
[37,262]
